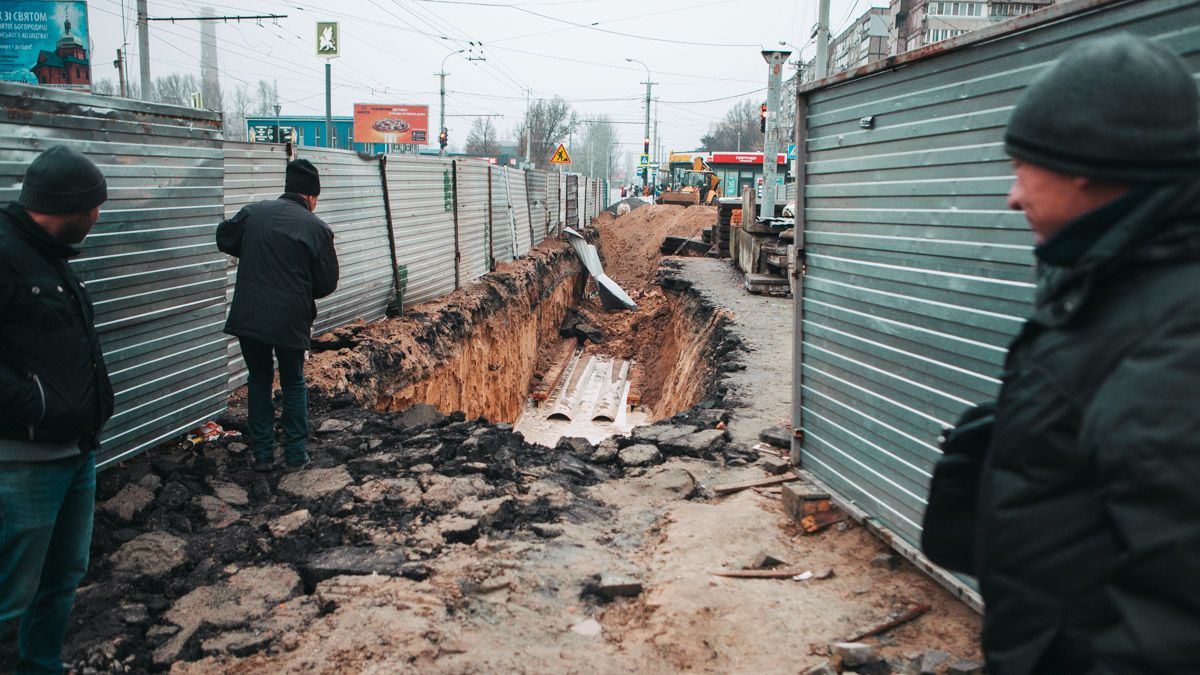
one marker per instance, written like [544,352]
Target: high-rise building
[923,22]
[863,41]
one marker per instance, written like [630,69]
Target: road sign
[560,155]
[791,154]
[644,161]
[329,41]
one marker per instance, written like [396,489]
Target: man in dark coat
[1089,507]
[55,397]
[286,261]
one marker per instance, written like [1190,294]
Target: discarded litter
[805,576]
[208,432]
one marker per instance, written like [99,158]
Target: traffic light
[762,118]
[443,138]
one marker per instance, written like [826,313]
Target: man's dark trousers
[46,513]
[261,409]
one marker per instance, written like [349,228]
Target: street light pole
[442,115]
[277,108]
[646,137]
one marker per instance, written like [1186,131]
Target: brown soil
[629,244]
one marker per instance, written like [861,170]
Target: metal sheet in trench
[590,401]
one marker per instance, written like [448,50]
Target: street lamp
[442,135]
[277,123]
[646,136]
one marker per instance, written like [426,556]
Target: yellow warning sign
[560,155]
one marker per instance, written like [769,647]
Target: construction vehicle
[699,186]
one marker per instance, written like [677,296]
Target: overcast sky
[696,50]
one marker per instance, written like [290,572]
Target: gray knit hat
[60,180]
[1119,108]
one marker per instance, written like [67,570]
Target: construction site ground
[427,542]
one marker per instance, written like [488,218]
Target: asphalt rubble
[195,554]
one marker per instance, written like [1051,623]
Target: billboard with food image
[389,123]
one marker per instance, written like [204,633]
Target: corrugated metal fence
[155,275]
[161,287]
[917,274]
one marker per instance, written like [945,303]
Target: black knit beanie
[302,178]
[60,180]
[1120,108]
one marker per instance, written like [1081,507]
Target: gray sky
[696,50]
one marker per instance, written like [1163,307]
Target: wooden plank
[730,488]
[781,573]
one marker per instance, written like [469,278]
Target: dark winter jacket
[54,386]
[1089,549]
[286,261]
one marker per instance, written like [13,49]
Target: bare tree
[237,105]
[548,122]
[738,130]
[176,89]
[107,87]
[483,138]
[266,97]
[596,155]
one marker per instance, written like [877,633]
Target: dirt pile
[629,244]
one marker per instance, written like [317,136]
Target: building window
[956,8]
[938,34]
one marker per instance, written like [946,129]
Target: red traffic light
[762,111]
[762,118]
[442,138]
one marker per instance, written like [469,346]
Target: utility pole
[528,126]
[277,139]
[646,131]
[120,64]
[775,60]
[822,40]
[442,131]
[143,27]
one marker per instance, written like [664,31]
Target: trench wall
[404,226]
[490,370]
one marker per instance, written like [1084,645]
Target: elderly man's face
[1049,199]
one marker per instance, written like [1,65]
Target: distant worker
[286,261]
[55,397]
[1087,537]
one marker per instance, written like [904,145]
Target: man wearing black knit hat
[286,261]
[1087,540]
[55,397]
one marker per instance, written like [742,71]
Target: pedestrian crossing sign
[560,155]
[644,161]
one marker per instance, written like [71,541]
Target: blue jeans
[45,532]
[261,409]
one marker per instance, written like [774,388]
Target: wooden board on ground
[730,488]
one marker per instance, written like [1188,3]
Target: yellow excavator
[699,187]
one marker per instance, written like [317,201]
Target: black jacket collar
[37,236]
[293,197]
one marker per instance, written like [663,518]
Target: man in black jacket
[55,397]
[1089,506]
[286,261]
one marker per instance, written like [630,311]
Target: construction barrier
[405,227]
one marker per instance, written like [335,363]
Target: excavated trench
[197,556]
[531,345]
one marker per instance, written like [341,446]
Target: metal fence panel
[473,209]
[150,263]
[553,202]
[537,181]
[503,229]
[352,205]
[520,205]
[917,273]
[420,190]
[572,201]
[253,172]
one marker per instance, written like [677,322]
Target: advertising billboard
[45,42]
[388,123]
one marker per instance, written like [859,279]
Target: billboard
[45,42]
[388,123]
[743,158]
